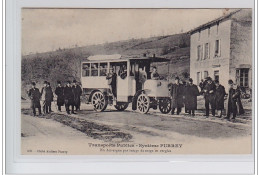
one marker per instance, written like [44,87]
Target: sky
[50,29]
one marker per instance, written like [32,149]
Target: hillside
[64,64]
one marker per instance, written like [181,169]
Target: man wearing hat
[35,96]
[68,98]
[176,92]
[220,98]
[209,91]
[76,89]
[60,95]
[47,97]
[50,96]
[191,94]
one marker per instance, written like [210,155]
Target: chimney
[144,54]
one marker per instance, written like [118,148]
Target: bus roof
[118,57]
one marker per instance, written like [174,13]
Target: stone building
[222,49]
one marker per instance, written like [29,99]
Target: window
[217,48]
[206,51]
[206,74]
[216,75]
[242,77]
[85,69]
[199,52]
[94,69]
[198,78]
[103,69]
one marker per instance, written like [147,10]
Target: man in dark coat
[209,91]
[35,96]
[220,98]
[68,98]
[239,103]
[176,96]
[60,96]
[47,97]
[76,89]
[50,92]
[192,92]
[233,97]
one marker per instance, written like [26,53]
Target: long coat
[68,95]
[76,94]
[219,97]
[233,98]
[35,96]
[47,94]
[177,92]
[191,93]
[60,95]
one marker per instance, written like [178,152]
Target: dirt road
[185,135]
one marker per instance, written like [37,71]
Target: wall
[241,43]
[221,63]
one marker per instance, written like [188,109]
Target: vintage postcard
[136,81]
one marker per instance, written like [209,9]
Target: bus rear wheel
[99,101]
[121,106]
[165,105]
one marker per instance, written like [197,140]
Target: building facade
[222,49]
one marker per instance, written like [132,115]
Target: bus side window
[103,69]
[85,69]
[94,69]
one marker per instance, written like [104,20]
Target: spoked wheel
[143,103]
[99,101]
[165,105]
[121,106]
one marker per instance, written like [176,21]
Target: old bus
[143,93]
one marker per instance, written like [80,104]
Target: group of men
[69,95]
[214,93]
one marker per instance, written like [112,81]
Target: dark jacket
[47,94]
[219,97]
[191,93]
[233,98]
[68,95]
[76,94]
[60,96]
[177,92]
[35,96]
[209,91]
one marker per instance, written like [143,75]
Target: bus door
[122,81]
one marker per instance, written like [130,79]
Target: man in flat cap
[77,93]
[209,91]
[35,96]
[69,98]
[60,95]
[176,92]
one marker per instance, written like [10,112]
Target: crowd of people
[68,95]
[185,95]
[182,94]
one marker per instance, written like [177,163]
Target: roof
[118,57]
[213,22]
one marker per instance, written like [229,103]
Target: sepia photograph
[136,81]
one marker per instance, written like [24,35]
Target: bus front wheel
[99,101]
